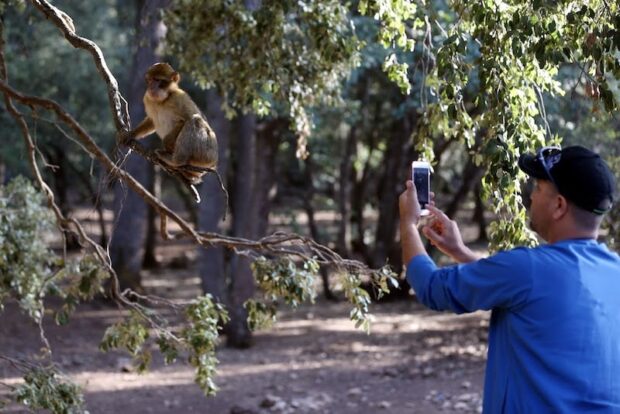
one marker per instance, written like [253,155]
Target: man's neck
[568,234]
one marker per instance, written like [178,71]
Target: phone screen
[421,180]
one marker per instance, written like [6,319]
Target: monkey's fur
[188,140]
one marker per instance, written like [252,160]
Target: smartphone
[421,177]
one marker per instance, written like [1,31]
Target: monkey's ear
[176,77]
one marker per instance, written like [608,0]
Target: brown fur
[188,140]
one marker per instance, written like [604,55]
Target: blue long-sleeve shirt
[554,335]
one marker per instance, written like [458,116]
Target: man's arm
[410,211]
[445,235]
[443,232]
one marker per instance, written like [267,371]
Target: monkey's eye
[163,82]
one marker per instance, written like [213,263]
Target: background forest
[319,108]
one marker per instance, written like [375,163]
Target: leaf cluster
[198,338]
[26,263]
[361,299]
[280,279]
[294,53]
[507,55]
[47,389]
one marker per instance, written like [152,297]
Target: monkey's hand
[124,137]
[165,156]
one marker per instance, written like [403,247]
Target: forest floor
[313,360]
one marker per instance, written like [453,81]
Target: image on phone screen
[421,178]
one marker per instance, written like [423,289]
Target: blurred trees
[131,215]
[321,68]
[320,107]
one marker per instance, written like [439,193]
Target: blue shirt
[554,335]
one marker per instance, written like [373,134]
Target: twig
[18,364]
[278,244]
[262,245]
[118,105]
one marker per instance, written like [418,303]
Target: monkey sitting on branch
[189,143]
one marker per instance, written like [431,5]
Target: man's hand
[409,206]
[445,235]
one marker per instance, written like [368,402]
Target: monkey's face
[158,88]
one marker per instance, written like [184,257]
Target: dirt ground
[313,360]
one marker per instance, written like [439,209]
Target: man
[554,335]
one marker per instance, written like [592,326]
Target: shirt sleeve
[503,280]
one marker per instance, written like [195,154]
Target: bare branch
[120,113]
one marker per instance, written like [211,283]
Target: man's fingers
[438,213]
[432,201]
[411,187]
[432,235]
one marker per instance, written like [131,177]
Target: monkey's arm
[145,128]
[170,139]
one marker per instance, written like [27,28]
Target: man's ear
[560,208]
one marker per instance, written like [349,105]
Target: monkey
[188,140]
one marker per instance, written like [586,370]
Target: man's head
[574,187]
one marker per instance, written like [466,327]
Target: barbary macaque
[188,140]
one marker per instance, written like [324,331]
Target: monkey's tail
[194,174]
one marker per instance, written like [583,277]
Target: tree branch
[118,104]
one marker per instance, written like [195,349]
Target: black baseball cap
[579,174]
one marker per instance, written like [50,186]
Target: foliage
[203,317]
[360,298]
[29,269]
[293,53]
[510,53]
[47,389]
[280,279]
[131,334]
[496,64]
[82,280]
[395,19]
[40,62]
[26,263]
[4,4]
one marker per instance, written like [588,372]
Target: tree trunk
[130,211]
[314,228]
[211,260]
[344,193]
[150,256]
[478,216]
[388,191]
[245,220]
[471,175]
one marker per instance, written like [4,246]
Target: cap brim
[531,166]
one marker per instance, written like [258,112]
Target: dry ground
[312,361]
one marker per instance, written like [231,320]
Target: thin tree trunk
[93,197]
[478,216]
[55,154]
[130,211]
[471,175]
[211,260]
[388,194]
[150,246]
[359,193]
[344,193]
[314,229]
[245,217]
